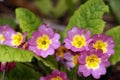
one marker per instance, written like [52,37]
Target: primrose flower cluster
[43,42]
[90,53]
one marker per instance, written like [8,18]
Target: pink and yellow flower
[104,43]
[44,41]
[5,33]
[93,62]
[56,75]
[10,37]
[77,39]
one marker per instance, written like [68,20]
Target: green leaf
[70,6]
[44,6]
[63,6]
[45,68]
[28,21]
[4,21]
[73,74]
[89,16]
[115,7]
[60,9]
[115,33]
[8,54]
[49,62]
[54,11]
[22,72]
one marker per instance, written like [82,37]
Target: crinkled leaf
[22,72]
[4,21]
[115,33]
[8,54]
[89,16]
[27,20]
[49,62]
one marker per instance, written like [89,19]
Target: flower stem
[3,75]
[4,71]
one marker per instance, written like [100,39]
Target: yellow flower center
[100,45]
[2,38]
[17,39]
[56,78]
[76,59]
[43,42]
[92,61]
[79,41]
